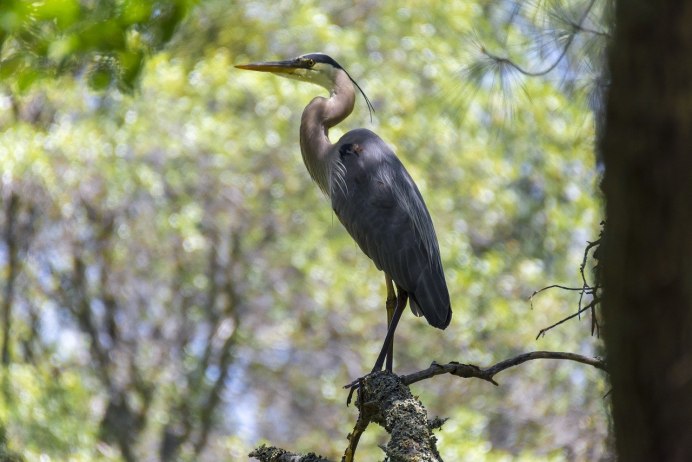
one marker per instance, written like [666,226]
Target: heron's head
[316,68]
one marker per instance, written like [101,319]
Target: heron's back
[379,204]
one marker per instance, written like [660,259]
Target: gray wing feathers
[384,212]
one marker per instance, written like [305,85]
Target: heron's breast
[352,163]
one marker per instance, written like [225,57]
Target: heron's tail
[431,298]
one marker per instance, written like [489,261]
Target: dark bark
[10,237]
[382,399]
[386,401]
[647,250]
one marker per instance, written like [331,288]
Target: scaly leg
[391,306]
[401,300]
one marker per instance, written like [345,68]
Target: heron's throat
[318,117]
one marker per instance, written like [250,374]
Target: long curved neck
[318,117]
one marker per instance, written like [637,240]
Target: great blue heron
[372,194]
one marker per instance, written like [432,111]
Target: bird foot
[358,383]
[353,386]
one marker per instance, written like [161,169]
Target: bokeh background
[174,287]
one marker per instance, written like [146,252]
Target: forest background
[176,288]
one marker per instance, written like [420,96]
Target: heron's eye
[310,62]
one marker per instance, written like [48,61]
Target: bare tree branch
[488,374]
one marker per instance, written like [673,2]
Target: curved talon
[350,395]
[355,383]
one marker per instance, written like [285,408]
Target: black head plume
[326,59]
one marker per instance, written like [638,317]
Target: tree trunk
[648,244]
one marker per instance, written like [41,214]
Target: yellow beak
[276,67]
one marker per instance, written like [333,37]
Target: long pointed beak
[276,67]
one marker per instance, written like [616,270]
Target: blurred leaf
[130,67]
[25,77]
[135,11]
[102,35]
[13,15]
[101,76]
[64,12]
[63,47]
[11,66]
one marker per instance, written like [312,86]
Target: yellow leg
[391,298]
[391,306]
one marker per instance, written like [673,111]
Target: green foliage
[7,455]
[106,39]
[45,409]
[181,271]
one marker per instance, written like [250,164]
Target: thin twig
[554,286]
[585,289]
[589,246]
[588,30]
[591,305]
[593,290]
[563,53]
